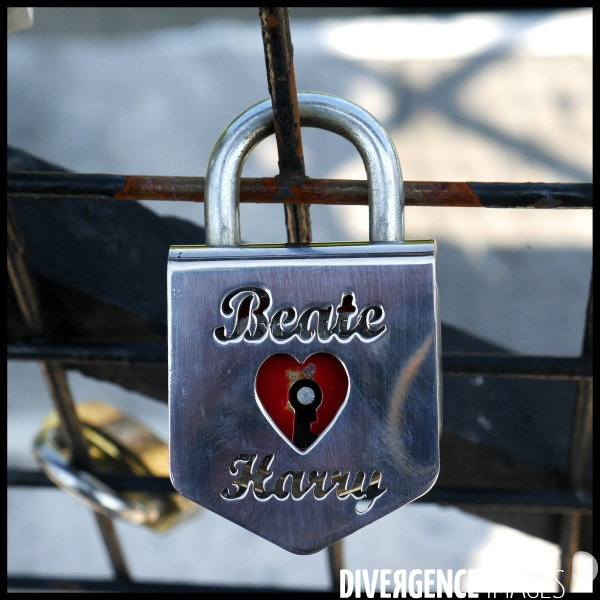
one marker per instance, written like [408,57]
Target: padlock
[118,445]
[304,380]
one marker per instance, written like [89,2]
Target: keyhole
[305,397]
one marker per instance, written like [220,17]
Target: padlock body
[257,333]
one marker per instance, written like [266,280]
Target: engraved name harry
[250,307]
[316,482]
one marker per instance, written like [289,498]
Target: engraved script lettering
[249,307]
[316,482]
[250,323]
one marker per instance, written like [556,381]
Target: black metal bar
[454,364]
[570,532]
[28,582]
[19,274]
[279,60]
[54,374]
[335,555]
[31,308]
[120,483]
[77,186]
[517,500]
[580,452]
[113,546]
[56,382]
[581,436]
[532,195]
[523,500]
[77,354]
[517,366]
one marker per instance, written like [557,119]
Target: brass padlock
[118,445]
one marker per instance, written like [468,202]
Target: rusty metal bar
[579,456]
[52,185]
[55,377]
[279,60]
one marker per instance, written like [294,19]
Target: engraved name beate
[250,307]
[316,482]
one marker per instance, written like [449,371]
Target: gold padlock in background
[118,445]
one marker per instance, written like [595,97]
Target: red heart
[274,380]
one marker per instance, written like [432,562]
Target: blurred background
[466,96]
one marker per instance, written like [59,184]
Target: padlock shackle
[323,111]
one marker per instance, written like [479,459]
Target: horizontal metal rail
[520,366]
[48,185]
[458,364]
[81,354]
[27,582]
[497,500]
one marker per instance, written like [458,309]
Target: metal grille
[293,188]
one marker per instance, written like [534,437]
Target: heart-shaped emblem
[302,401]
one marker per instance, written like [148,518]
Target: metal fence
[293,188]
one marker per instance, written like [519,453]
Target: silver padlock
[304,381]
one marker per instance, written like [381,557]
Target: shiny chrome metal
[118,445]
[384,176]
[381,452]
[304,381]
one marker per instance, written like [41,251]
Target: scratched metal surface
[390,422]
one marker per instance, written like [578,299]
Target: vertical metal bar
[55,377]
[279,59]
[335,553]
[570,529]
[18,272]
[579,456]
[113,546]
[56,380]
